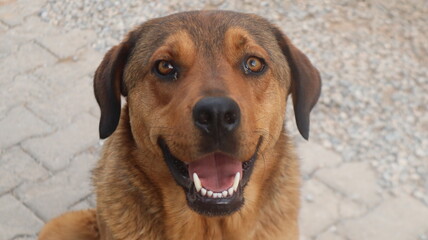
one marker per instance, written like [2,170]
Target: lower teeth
[204,192]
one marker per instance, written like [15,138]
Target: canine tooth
[230,191]
[224,193]
[197,182]
[210,193]
[236,181]
[203,191]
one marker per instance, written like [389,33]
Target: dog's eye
[254,64]
[166,69]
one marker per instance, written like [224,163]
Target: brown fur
[78,225]
[137,198]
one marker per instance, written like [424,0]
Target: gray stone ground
[364,171]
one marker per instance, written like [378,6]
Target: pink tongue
[216,171]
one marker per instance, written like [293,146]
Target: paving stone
[8,45]
[314,157]
[6,75]
[29,91]
[61,108]
[399,218]
[302,237]
[3,28]
[66,44]
[14,12]
[82,205]
[32,29]
[25,238]
[67,88]
[423,236]
[13,38]
[55,195]
[16,219]
[68,70]
[20,124]
[61,77]
[56,150]
[319,208]
[95,111]
[356,180]
[17,167]
[351,209]
[88,60]
[29,56]
[92,200]
[330,235]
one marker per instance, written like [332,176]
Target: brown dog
[199,151]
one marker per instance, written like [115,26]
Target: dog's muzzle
[214,184]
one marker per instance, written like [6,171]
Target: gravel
[373,57]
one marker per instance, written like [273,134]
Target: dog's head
[206,91]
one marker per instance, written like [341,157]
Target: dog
[199,150]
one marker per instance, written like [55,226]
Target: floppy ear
[305,82]
[109,84]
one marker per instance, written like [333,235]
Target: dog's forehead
[207,29]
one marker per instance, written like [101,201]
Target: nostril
[204,118]
[230,118]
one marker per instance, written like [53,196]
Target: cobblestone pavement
[364,174]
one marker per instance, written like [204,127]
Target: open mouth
[213,184]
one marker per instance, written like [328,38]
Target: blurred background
[364,170]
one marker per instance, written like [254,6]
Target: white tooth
[210,193]
[230,191]
[217,195]
[224,193]
[197,182]
[203,191]
[236,181]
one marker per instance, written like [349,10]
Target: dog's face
[207,92]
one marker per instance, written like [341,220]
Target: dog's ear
[305,82]
[109,84]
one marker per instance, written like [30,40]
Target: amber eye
[164,68]
[254,64]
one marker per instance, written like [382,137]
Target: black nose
[216,116]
